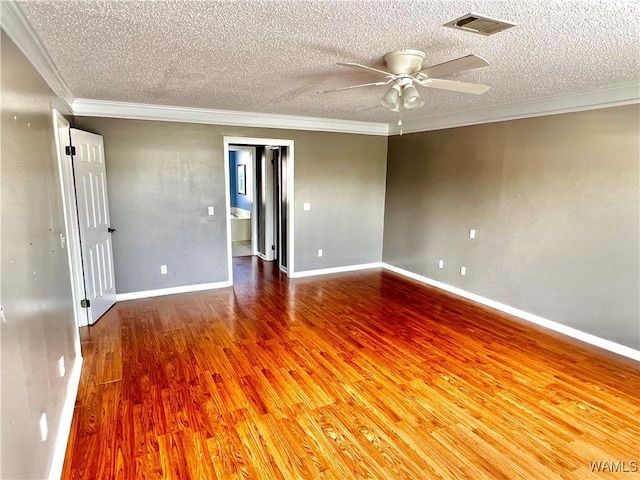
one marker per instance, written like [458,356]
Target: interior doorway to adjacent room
[242,200]
[260,197]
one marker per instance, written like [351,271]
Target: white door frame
[290,197]
[281,175]
[62,137]
[268,223]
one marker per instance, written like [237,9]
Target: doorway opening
[259,173]
[242,200]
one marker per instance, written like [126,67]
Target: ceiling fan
[405,72]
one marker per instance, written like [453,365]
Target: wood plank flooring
[364,375]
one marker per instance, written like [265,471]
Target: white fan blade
[454,66]
[357,65]
[354,86]
[454,86]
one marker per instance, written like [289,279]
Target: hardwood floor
[363,375]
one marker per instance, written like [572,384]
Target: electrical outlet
[319,252]
[463,271]
[472,233]
[163,269]
[441,264]
[61,369]
[2,317]
[211,211]
[44,428]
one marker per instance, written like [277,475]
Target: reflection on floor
[241,248]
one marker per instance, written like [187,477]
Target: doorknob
[111,230]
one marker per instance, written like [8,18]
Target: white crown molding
[17,27]
[140,111]
[120,297]
[612,96]
[327,271]
[529,317]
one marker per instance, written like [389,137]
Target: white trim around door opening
[275,142]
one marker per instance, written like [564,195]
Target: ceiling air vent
[479,24]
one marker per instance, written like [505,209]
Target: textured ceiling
[272,57]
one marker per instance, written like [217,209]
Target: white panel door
[94,221]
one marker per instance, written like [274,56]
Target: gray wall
[554,200]
[35,287]
[162,176]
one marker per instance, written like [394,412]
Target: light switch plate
[211,211]
[463,271]
[472,233]
[306,206]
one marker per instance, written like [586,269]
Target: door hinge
[273,247]
[70,150]
[85,303]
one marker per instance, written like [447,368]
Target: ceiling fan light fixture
[391,98]
[411,97]
[405,73]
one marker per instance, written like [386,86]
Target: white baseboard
[171,291]
[529,317]
[64,427]
[326,271]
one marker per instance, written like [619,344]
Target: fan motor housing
[404,61]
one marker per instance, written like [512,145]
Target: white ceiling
[272,57]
